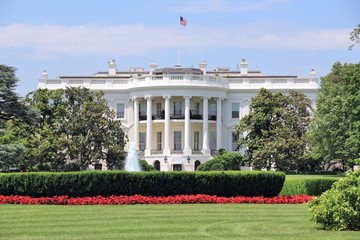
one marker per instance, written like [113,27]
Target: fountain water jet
[132,163]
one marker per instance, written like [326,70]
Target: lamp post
[188,159]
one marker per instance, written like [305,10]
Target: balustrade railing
[176,151]
[156,152]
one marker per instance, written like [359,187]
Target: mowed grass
[197,221]
[313,176]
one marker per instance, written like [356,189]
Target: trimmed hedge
[106,183]
[314,186]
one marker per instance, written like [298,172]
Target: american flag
[183,21]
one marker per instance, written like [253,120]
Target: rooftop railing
[179,80]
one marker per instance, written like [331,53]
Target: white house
[180,117]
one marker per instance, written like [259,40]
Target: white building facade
[181,117]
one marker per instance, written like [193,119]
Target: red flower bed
[139,199]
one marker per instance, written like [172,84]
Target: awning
[176,160]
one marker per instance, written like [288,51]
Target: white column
[187,149]
[148,127]
[166,150]
[246,108]
[206,150]
[136,122]
[218,124]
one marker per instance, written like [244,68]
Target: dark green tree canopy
[76,127]
[11,106]
[274,131]
[12,112]
[335,132]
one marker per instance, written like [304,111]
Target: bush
[339,207]
[314,186]
[106,183]
[146,167]
[223,162]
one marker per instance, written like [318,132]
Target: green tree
[11,154]
[76,127]
[12,111]
[11,107]
[355,37]
[274,130]
[335,132]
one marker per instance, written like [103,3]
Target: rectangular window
[196,140]
[177,108]
[142,107]
[158,109]
[197,108]
[212,140]
[120,110]
[177,140]
[158,141]
[177,167]
[142,141]
[212,109]
[235,107]
[235,140]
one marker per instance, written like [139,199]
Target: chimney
[153,67]
[243,67]
[312,76]
[202,66]
[112,67]
[44,75]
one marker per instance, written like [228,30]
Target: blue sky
[278,37]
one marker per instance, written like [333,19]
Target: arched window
[197,164]
[157,165]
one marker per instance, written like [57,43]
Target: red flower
[139,199]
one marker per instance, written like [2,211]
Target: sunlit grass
[197,221]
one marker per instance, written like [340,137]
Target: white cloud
[46,41]
[207,6]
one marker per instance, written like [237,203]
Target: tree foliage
[11,110]
[335,132]
[274,131]
[355,37]
[11,106]
[76,127]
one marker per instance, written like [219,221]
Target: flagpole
[179,43]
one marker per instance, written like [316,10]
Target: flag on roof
[183,21]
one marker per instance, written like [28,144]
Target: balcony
[177,117]
[156,152]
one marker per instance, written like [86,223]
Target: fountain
[132,163]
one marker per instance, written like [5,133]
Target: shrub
[339,207]
[314,186]
[107,183]
[146,167]
[225,161]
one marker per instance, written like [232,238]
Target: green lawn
[198,221]
[313,176]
